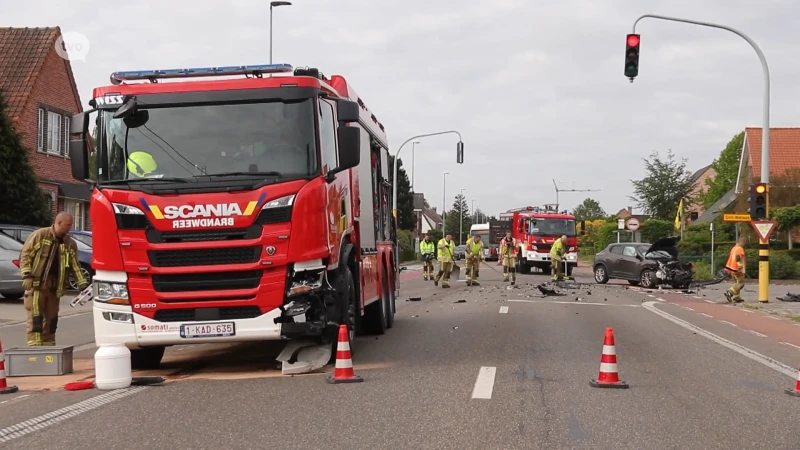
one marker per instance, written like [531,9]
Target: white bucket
[112,367]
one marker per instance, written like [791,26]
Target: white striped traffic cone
[609,372]
[343,373]
[796,391]
[4,387]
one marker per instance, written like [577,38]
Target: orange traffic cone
[343,373]
[4,387]
[609,373]
[796,391]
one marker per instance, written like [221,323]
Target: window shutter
[42,126]
[67,137]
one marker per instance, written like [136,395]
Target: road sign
[620,224]
[736,217]
[633,224]
[764,228]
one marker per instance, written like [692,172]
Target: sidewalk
[789,310]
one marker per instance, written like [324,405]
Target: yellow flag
[679,217]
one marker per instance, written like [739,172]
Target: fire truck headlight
[279,202]
[119,208]
[113,293]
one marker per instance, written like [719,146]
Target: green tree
[460,211]
[589,210]
[22,202]
[788,218]
[479,216]
[667,183]
[405,201]
[727,171]
[655,229]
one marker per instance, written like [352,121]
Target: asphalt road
[527,358]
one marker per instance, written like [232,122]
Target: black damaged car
[649,265]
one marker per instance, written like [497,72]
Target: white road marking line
[709,301]
[569,303]
[791,345]
[660,299]
[731,324]
[704,314]
[484,385]
[651,295]
[740,349]
[773,318]
[699,298]
[747,311]
[687,308]
[504,310]
[756,333]
[43,421]
[19,397]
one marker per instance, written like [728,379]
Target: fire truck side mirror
[349,139]
[347,111]
[79,159]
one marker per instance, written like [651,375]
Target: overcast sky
[536,88]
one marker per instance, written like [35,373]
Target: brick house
[699,187]
[41,95]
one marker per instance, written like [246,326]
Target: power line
[573,189]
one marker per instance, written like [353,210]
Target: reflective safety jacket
[508,250]
[735,261]
[446,250]
[475,248]
[427,247]
[558,250]
[41,251]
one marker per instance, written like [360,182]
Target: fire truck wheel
[147,358]
[377,313]
[392,305]
[348,310]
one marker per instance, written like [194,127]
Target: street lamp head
[276,4]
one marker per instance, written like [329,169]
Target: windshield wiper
[139,180]
[231,174]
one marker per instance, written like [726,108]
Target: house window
[79,212]
[53,132]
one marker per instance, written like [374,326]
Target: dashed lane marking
[729,323]
[709,301]
[707,315]
[791,345]
[756,333]
[660,299]
[561,302]
[740,349]
[484,384]
[687,308]
[504,310]
[46,420]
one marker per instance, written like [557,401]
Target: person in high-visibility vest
[428,251]
[447,247]
[736,267]
[557,253]
[475,254]
[508,255]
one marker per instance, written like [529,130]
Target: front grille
[207,314]
[543,247]
[204,256]
[216,281]
[232,234]
[271,216]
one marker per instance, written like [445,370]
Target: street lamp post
[413,150]
[444,197]
[461,218]
[271,6]
[763,250]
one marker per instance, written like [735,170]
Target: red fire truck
[254,205]
[536,228]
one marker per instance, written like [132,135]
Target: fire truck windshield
[552,227]
[192,141]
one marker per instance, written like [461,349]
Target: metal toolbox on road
[38,361]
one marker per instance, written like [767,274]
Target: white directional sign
[764,228]
[633,224]
[621,224]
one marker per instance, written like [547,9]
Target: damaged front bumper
[308,297]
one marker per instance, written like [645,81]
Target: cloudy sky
[536,88]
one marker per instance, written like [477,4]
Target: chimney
[630,210]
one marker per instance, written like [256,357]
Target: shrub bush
[702,271]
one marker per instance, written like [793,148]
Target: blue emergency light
[152,75]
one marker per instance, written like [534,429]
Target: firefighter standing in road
[557,253]
[446,248]
[428,251]
[508,252]
[47,257]
[475,254]
[736,267]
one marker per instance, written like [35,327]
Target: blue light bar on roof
[130,75]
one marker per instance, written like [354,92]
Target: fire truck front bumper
[536,257]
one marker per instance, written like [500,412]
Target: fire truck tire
[392,304]
[147,358]
[377,313]
[523,267]
[349,311]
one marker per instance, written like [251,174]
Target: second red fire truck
[252,206]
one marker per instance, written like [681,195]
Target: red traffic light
[633,40]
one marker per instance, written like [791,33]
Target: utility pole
[413,150]
[461,217]
[555,184]
[763,246]
[273,5]
[444,199]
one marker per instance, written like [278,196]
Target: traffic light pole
[763,246]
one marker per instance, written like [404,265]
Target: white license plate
[202,330]
[487,252]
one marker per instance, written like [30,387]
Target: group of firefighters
[475,254]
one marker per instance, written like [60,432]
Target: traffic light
[460,152]
[632,56]
[758,201]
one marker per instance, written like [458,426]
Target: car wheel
[600,274]
[647,279]
[87,275]
[12,296]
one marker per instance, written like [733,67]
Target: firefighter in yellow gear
[46,259]
[557,253]
[736,267]
[427,250]
[446,248]
[508,255]
[475,254]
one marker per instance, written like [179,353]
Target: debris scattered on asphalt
[789,297]
[415,299]
[460,301]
